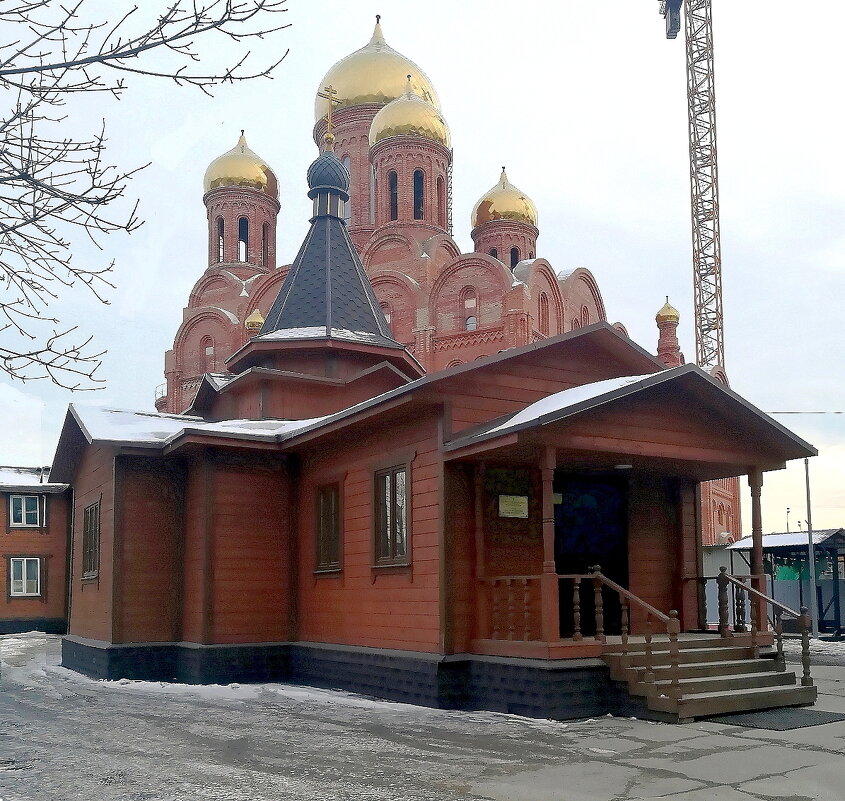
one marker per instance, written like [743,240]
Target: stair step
[635,646]
[684,656]
[716,683]
[691,670]
[694,705]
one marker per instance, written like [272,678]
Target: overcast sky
[585,104]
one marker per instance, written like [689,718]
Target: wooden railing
[755,597]
[514,607]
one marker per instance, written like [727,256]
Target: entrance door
[591,528]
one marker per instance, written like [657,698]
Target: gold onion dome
[504,202]
[374,74]
[668,313]
[254,321]
[412,116]
[240,166]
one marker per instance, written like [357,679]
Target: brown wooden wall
[91,599]
[395,607]
[460,556]
[148,546]
[48,542]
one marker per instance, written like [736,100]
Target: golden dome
[254,321]
[374,74]
[409,115]
[668,313]
[504,202]
[241,167]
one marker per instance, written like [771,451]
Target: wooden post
[576,610]
[484,594]
[758,580]
[780,661]
[724,621]
[648,676]
[739,607]
[673,629]
[599,602]
[549,607]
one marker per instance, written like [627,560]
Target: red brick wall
[49,543]
[91,599]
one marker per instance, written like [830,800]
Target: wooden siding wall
[511,386]
[394,607]
[48,542]
[148,545]
[196,554]
[460,556]
[91,599]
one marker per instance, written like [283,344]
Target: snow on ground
[66,737]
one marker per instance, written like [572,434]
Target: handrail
[767,598]
[620,590]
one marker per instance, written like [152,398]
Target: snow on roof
[786,539]
[24,478]
[560,401]
[321,332]
[148,429]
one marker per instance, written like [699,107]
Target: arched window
[544,314]
[441,202]
[469,308]
[243,239]
[514,257]
[720,514]
[373,195]
[207,354]
[393,192]
[220,239]
[471,323]
[419,206]
[454,363]
[385,309]
[585,316]
[576,323]
[347,206]
[494,253]
[530,254]
[265,245]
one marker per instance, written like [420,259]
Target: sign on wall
[513,506]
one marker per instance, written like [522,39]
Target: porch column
[549,580]
[758,582]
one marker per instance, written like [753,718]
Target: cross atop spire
[329,93]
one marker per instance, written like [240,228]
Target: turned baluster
[511,609]
[599,604]
[625,624]
[648,676]
[755,610]
[673,629]
[739,608]
[805,623]
[496,610]
[526,610]
[722,583]
[576,609]
[780,660]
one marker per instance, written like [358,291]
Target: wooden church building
[327,513]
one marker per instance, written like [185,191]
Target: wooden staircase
[711,675]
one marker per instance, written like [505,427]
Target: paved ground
[66,737]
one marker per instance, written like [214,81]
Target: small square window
[25,573]
[24,510]
[328,527]
[391,516]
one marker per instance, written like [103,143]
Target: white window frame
[23,593]
[23,523]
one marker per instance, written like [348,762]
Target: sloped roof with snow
[791,539]
[28,479]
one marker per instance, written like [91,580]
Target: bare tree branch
[53,187]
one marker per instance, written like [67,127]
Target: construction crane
[704,175]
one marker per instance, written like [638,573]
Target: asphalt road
[66,737]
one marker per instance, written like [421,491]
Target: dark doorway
[591,528]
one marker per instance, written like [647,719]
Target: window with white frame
[24,510]
[25,573]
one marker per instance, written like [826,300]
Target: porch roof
[686,388]
[794,541]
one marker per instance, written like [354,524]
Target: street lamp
[811,549]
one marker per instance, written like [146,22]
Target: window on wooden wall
[243,239]
[441,202]
[544,314]
[328,527]
[391,516]
[25,576]
[220,230]
[91,540]
[419,197]
[25,511]
[393,194]
[514,257]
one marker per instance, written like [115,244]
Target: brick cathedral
[446,307]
